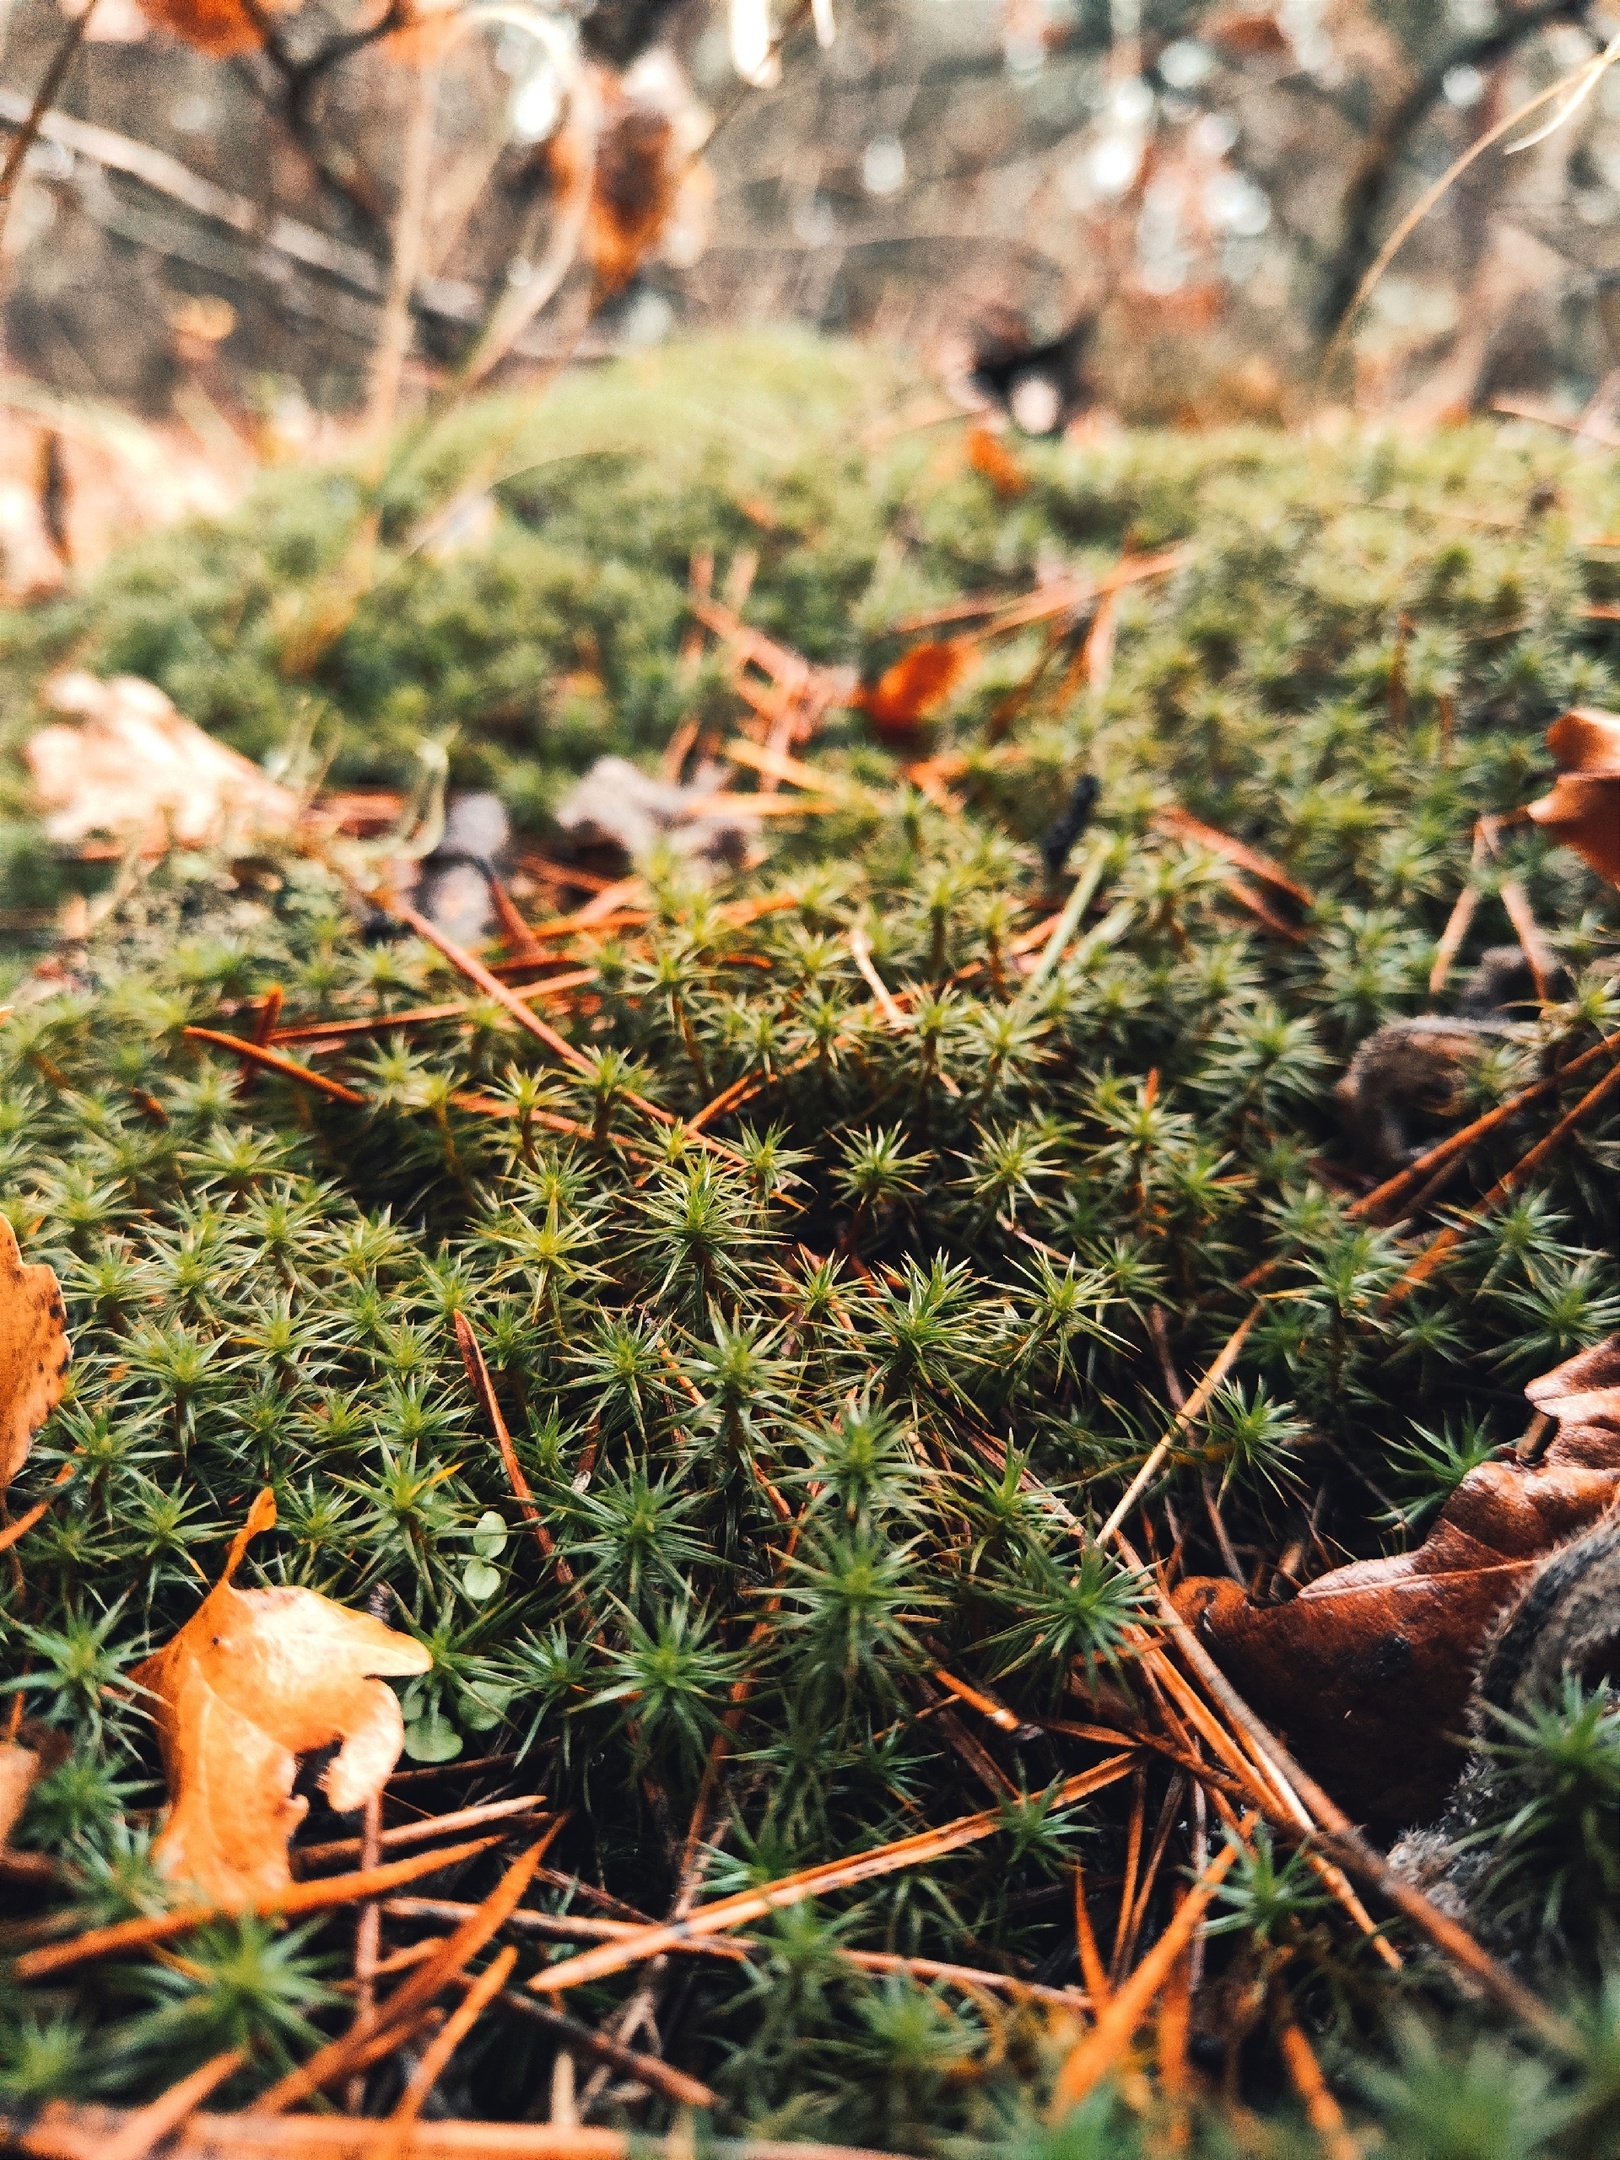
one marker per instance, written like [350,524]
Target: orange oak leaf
[1367,1672]
[253,1680]
[34,1352]
[1583,808]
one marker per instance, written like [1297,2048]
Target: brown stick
[295,1898]
[274,1061]
[745,1905]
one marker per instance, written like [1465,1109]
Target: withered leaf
[1367,1672]
[634,183]
[136,769]
[1583,808]
[922,679]
[255,1679]
[989,456]
[34,1352]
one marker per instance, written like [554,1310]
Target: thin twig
[44,99]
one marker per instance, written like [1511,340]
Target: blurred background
[245,231]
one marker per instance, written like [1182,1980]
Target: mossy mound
[809,1408]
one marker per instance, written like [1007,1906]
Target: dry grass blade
[124,1935]
[918,1851]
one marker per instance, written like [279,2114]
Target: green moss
[924,1263]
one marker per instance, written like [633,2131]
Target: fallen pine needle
[436,2055]
[274,1061]
[431,1826]
[402,2009]
[1096,2055]
[327,2137]
[1322,2111]
[745,1905]
[1452,1236]
[125,1935]
[1418,1171]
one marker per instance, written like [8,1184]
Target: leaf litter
[756,1393]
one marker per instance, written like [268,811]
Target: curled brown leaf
[1367,1671]
[1583,808]
[255,1679]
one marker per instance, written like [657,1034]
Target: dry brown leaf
[34,1352]
[905,694]
[255,1679]
[636,178]
[138,772]
[1245,31]
[1583,809]
[221,27]
[1367,1672]
[989,455]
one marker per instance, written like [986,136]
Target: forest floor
[826,1356]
